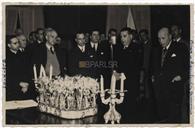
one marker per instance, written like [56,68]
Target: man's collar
[93,44]
[21,49]
[81,47]
[167,47]
[39,42]
[49,46]
[15,52]
[145,42]
[178,39]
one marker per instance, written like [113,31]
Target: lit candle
[102,84]
[113,84]
[50,72]
[122,82]
[35,72]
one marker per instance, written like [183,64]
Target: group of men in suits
[162,74]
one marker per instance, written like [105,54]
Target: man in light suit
[49,53]
[169,81]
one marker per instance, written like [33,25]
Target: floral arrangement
[68,93]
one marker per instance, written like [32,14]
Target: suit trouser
[169,103]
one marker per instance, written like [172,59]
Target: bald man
[169,82]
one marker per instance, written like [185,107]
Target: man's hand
[24,86]
[176,79]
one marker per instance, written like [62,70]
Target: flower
[76,86]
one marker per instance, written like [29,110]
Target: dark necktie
[164,52]
[94,47]
[51,49]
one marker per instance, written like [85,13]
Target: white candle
[113,84]
[41,70]
[122,82]
[102,84]
[35,72]
[50,72]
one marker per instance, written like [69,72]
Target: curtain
[116,17]
[11,20]
[130,19]
[133,16]
[141,16]
[31,18]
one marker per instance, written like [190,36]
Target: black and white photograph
[97,64]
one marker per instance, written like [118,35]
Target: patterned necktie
[164,52]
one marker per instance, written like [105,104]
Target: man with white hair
[49,54]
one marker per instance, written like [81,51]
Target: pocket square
[102,53]
[173,55]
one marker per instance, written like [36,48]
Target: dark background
[168,15]
[69,19]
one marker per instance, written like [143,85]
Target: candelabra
[112,114]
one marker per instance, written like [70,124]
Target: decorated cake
[67,97]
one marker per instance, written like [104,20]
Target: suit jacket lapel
[169,52]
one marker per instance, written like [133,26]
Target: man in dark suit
[50,54]
[17,79]
[22,41]
[169,81]
[31,48]
[98,51]
[176,32]
[129,61]
[78,57]
[145,76]
[39,35]
[22,47]
[112,42]
[32,37]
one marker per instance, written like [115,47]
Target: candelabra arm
[120,100]
[104,101]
